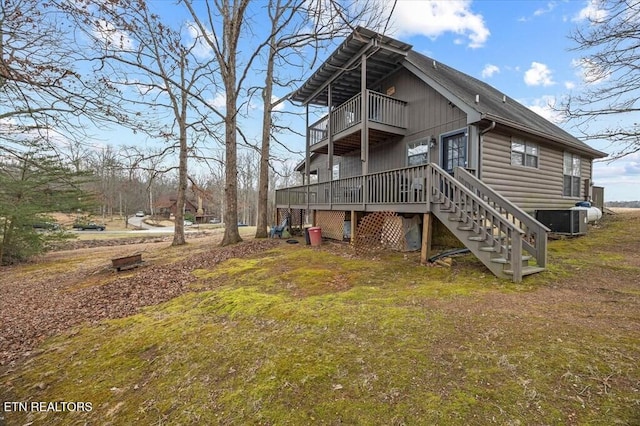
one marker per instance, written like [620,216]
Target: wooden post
[364,135]
[427,232]
[307,157]
[354,226]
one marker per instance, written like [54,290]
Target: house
[404,133]
[166,207]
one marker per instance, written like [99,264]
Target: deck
[506,239]
[402,190]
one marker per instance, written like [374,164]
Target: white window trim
[572,156]
[314,177]
[526,144]
[418,142]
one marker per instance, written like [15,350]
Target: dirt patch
[41,302]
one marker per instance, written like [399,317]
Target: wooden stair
[492,235]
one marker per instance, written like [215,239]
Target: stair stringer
[489,235]
[463,235]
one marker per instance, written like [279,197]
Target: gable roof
[482,101]
[385,55]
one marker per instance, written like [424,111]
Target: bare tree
[147,55]
[44,104]
[610,44]
[224,44]
[296,24]
[44,98]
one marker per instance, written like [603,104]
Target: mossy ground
[296,335]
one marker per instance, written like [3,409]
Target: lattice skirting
[379,231]
[298,216]
[332,224]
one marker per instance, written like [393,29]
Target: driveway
[139,223]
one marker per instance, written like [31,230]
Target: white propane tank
[593,213]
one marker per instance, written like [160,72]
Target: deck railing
[382,109]
[465,205]
[346,115]
[405,185]
[318,131]
[535,237]
[386,110]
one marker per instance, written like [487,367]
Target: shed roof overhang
[342,69]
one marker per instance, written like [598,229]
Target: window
[335,173]
[571,172]
[417,153]
[524,153]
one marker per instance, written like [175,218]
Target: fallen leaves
[32,309]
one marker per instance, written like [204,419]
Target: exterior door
[454,151]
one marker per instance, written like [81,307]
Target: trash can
[315,235]
[306,236]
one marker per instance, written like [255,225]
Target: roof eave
[333,67]
[576,145]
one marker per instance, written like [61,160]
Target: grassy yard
[296,335]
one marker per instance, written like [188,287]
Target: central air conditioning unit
[568,222]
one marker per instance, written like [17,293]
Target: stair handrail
[535,238]
[484,214]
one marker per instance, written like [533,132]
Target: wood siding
[529,188]
[320,163]
[429,114]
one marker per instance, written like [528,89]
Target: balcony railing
[406,185]
[381,109]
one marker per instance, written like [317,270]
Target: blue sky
[522,49]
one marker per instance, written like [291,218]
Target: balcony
[386,116]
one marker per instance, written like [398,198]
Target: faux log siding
[529,188]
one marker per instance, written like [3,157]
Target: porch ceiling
[342,68]
[351,143]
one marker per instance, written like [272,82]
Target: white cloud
[589,72]
[280,106]
[569,85]
[544,107]
[538,75]
[592,12]
[489,70]
[621,178]
[550,6]
[112,37]
[219,101]
[434,18]
[201,49]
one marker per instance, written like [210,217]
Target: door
[454,151]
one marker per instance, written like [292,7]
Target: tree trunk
[231,234]
[263,179]
[178,234]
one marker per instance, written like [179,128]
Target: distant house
[407,134]
[166,207]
